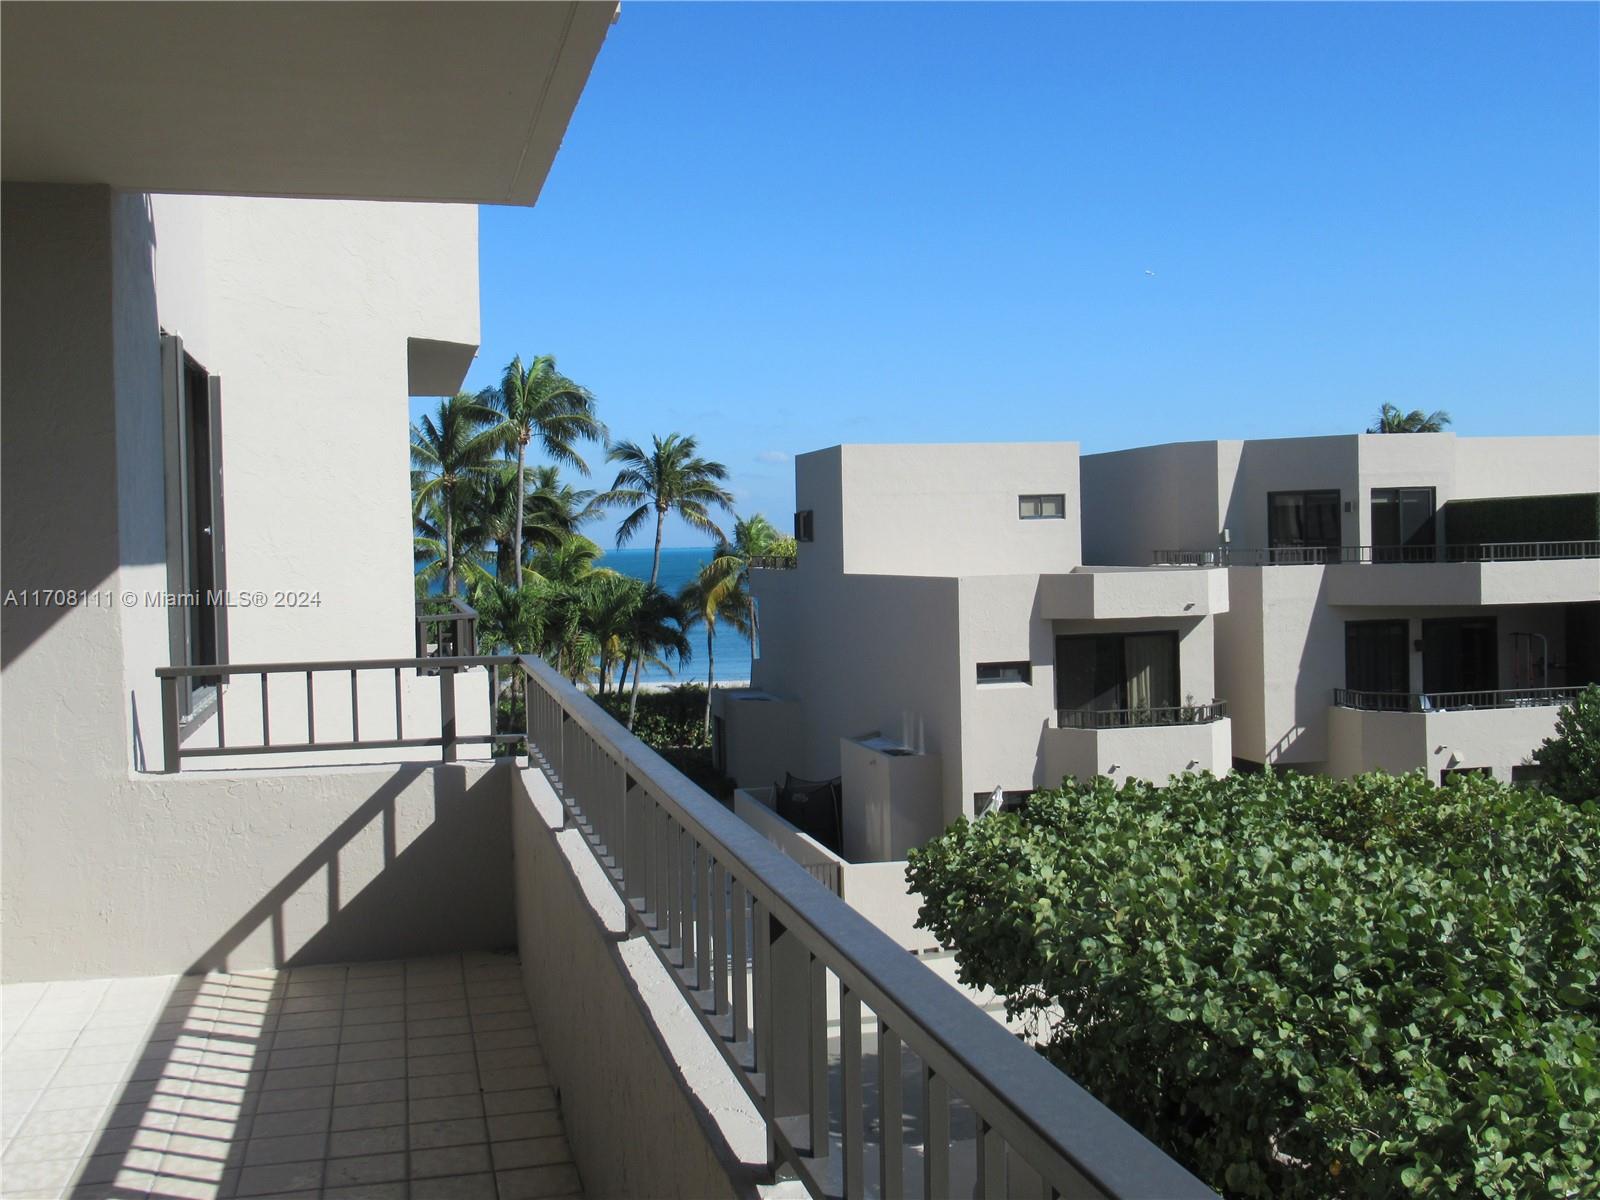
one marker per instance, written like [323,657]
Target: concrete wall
[1154,754]
[1499,739]
[761,732]
[651,1108]
[939,510]
[248,870]
[304,308]
[1152,498]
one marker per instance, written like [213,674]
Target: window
[1005,672]
[1042,508]
[1460,654]
[1303,521]
[1377,658]
[197,623]
[1107,672]
[1402,518]
[803,526]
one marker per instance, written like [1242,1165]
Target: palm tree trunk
[516,547]
[449,547]
[711,669]
[655,572]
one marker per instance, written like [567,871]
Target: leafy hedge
[1298,986]
[1571,759]
[671,719]
[1572,517]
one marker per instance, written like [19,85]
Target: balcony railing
[447,634]
[1230,556]
[448,739]
[753,941]
[1426,702]
[1134,718]
[775,562]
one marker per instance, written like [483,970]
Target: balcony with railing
[1495,730]
[1535,572]
[711,1016]
[1151,743]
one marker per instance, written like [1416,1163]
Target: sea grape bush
[1299,986]
[1571,759]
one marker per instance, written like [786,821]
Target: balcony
[1138,743]
[1439,732]
[676,977]
[1098,593]
[1557,572]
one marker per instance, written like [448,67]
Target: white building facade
[1399,602]
[939,639]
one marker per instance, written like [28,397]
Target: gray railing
[1133,718]
[775,562]
[756,945]
[1424,702]
[447,738]
[447,634]
[1230,556]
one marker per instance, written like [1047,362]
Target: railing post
[169,725]
[447,712]
[788,997]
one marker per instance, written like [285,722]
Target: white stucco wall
[1499,739]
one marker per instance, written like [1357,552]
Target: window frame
[805,525]
[1038,499]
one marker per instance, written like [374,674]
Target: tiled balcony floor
[416,1080]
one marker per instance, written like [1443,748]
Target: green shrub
[672,719]
[1571,759]
[1298,986]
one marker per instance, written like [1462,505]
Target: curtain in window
[1152,681]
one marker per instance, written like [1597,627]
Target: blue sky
[784,226]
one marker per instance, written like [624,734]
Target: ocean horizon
[680,564]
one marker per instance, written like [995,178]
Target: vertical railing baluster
[494,706]
[266,721]
[761,1023]
[658,860]
[685,899]
[741,969]
[719,935]
[222,728]
[935,1135]
[991,1163]
[171,749]
[447,714]
[817,986]
[311,712]
[355,708]
[702,920]
[891,1114]
[399,718]
[851,1093]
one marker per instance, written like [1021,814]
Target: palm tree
[450,449]
[429,550]
[717,592]
[609,603]
[753,537]
[1392,420]
[553,512]
[538,402]
[670,477]
[655,629]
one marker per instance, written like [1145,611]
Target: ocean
[678,566]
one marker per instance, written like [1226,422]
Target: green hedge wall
[1299,986]
[1574,517]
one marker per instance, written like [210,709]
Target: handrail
[1231,556]
[448,738]
[1134,718]
[686,867]
[454,628]
[1425,702]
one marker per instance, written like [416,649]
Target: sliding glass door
[1303,526]
[1109,672]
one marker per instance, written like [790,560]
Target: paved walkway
[417,1080]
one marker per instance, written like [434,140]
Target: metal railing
[447,738]
[1425,702]
[447,634]
[775,562]
[1133,718]
[1230,556]
[756,945]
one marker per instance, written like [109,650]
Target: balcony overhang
[1534,581]
[435,368]
[456,102]
[1101,593]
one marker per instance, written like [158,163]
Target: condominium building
[939,640]
[268,931]
[1399,602]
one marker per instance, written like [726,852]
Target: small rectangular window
[803,526]
[1042,508]
[1005,672]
